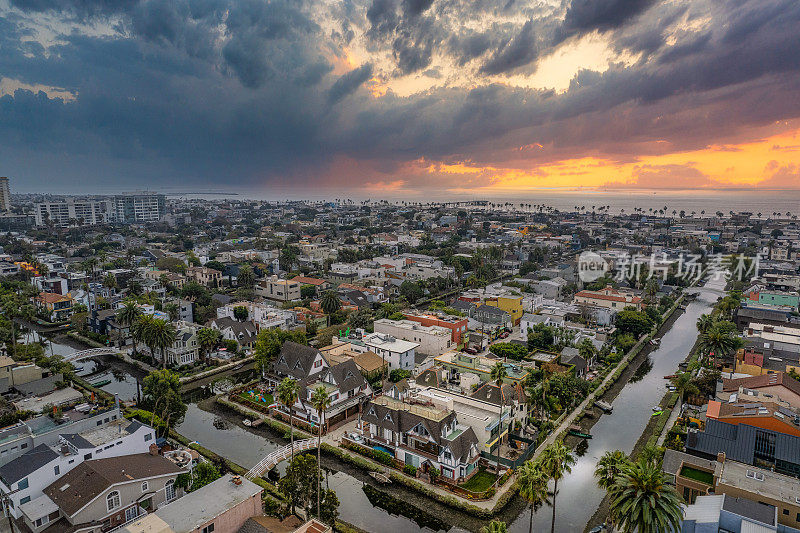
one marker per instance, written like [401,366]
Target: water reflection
[642,371]
[395,506]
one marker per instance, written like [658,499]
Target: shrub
[411,470]
[382,457]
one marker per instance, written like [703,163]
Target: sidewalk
[673,417]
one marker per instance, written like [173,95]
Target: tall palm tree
[642,501]
[320,400]
[495,526]
[288,392]
[141,331]
[127,316]
[532,483]
[330,302]
[719,341]
[163,335]
[499,374]
[556,460]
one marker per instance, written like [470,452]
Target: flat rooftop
[759,481]
[206,503]
[428,412]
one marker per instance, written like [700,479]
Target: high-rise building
[74,211]
[5,194]
[139,207]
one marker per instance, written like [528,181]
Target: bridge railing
[276,456]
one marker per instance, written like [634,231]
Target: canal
[578,493]
[392,508]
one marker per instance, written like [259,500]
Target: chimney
[153,449]
[721,457]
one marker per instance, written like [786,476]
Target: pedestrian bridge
[88,354]
[276,456]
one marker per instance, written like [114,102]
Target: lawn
[256,396]
[698,475]
[480,482]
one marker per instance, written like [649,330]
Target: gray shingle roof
[26,464]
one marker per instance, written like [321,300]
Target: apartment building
[432,340]
[264,316]
[398,353]
[609,298]
[138,207]
[281,290]
[5,194]
[74,211]
[456,325]
[204,276]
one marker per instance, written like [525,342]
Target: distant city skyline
[400,98]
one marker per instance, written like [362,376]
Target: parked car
[471,351]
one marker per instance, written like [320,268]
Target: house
[186,349]
[571,357]
[244,333]
[281,290]
[222,506]
[733,515]
[290,524]
[346,386]
[422,436]
[14,373]
[102,494]
[263,315]
[609,298]
[320,285]
[23,479]
[204,275]
[56,306]
[764,415]
[778,387]
[398,353]
[456,325]
[457,363]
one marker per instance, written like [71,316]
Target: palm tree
[499,374]
[704,323]
[127,316]
[556,460]
[288,392]
[609,467]
[719,341]
[163,335]
[532,483]
[320,401]
[684,384]
[140,331]
[642,501]
[495,526]
[330,302]
[207,338]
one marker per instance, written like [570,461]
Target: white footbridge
[276,456]
[88,354]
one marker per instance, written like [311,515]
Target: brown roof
[764,380]
[309,281]
[369,361]
[90,479]
[51,297]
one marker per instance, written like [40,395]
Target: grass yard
[698,475]
[480,482]
[256,396]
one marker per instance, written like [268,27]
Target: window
[131,513]
[56,470]
[144,486]
[23,484]
[87,457]
[23,445]
[209,528]
[25,500]
[169,490]
[112,500]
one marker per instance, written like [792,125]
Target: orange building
[764,415]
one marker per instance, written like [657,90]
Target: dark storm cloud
[603,15]
[244,88]
[349,82]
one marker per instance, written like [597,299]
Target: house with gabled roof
[422,435]
[344,382]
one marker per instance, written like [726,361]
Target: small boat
[380,477]
[655,342]
[98,384]
[247,422]
[575,431]
[604,406]
[657,413]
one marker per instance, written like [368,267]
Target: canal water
[578,494]
[394,509]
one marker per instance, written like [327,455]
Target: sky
[400,97]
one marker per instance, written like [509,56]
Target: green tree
[643,501]
[320,400]
[704,323]
[208,339]
[556,460]
[127,316]
[532,483]
[540,337]
[110,281]
[173,311]
[637,323]
[307,292]
[288,393]
[411,291]
[162,335]
[246,278]
[240,313]
[507,350]
[268,345]
[684,384]
[329,512]
[719,341]
[499,375]
[360,319]
[609,467]
[203,474]
[330,302]
[162,392]
[298,484]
